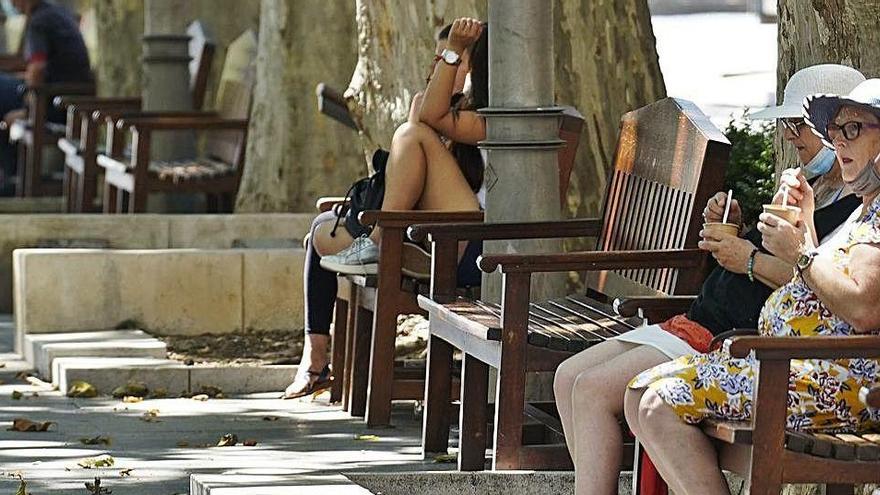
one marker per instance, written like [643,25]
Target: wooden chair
[765,453]
[216,172]
[36,132]
[367,308]
[670,159]
[81,141]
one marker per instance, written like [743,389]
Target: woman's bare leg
[567,373]
[683,455]
[596,406]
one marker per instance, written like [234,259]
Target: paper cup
[710,228]
[790,213]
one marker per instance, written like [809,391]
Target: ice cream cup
[791,214]
[710,228]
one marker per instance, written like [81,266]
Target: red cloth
[696,335]
[650,481]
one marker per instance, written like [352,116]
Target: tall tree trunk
[294,154]
[826,31]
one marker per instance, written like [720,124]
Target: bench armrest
[328,202]
[583,227]
[870,396]
[171,123]
[403,219]
[855,346]
[671,305]
[592,261]
[93,103]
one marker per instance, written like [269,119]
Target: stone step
[141,348]
[269,483]
[175,378]
[34,341]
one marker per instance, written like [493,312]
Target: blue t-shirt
[53,35]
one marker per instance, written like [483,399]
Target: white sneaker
[361,258]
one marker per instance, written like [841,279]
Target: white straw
[727,205]
[785,195]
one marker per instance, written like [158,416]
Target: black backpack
[365,194]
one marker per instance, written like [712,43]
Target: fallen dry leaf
[228,440]
[22,375]
[271,418]
[130,399]
[211,391]
[16,395]
[98,440]
[133,389]
[23,424]
[367,438]
[125,472]
[183,443]
[101,461]
[2,365]
[83,389]
[249,443]
[151,416]
[200,397]
[446,458]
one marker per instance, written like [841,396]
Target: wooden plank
[738,432]
[839,450]
[865,449]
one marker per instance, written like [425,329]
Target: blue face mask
[821,164]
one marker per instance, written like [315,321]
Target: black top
[729,300]
[53,35]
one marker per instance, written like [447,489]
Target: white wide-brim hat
[824,78]
[820,109]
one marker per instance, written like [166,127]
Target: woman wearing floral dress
[835,291]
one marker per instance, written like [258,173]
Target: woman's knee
[653,411]
[593,389]
[412,130]
[563,379]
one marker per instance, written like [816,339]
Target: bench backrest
[234,97]
[670,160]
[201,52]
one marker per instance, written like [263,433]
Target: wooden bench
[670,159]
[362,355]
[765,453]
[216,172]
[80,143]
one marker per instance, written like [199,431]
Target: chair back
[201,52]
[670,160]
[234,97]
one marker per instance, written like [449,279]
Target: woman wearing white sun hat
[589,387]
[834,292]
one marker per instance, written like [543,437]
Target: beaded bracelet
[751,265]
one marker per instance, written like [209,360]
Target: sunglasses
[850,130]
[793,125]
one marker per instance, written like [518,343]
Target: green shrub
[752,166]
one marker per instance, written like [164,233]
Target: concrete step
[34,341]
[272,483]
[175,378]
[142,348]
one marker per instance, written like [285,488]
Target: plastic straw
[727,205]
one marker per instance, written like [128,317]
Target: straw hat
[821,108]
[825,78]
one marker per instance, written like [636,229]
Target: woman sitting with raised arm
[835,290]
[433,165]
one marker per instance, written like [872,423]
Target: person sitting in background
[589,386]
[834,292]
[433,164]
[55,52]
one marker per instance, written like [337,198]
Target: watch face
[450,57]
[804,260]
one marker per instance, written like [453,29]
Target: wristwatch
[450,57]
[804,261]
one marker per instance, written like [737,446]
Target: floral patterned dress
[822,395]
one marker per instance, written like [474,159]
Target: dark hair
[468,156]
[444,33]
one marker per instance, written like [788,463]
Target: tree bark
[825,31]
[295,154]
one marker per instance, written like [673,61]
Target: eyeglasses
[850,130]
[793,125]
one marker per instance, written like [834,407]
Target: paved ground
[306,438]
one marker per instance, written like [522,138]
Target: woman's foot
[314,369]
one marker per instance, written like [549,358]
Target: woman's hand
[800,192]
[731,252]
[464,32]
[714,211]
[784,240]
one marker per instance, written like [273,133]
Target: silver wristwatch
[450,57]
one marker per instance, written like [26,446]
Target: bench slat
[865,449]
